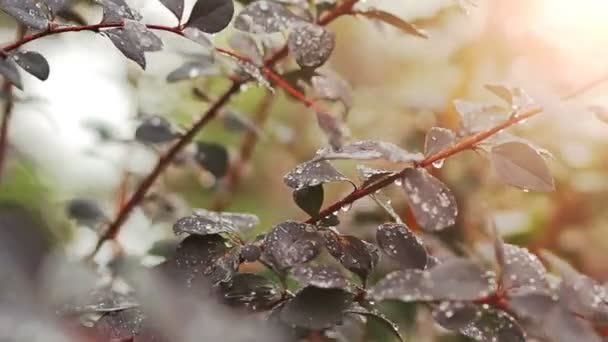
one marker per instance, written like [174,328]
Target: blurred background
[70,136]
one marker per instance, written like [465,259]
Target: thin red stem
[464,144]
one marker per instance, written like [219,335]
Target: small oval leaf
[519,165]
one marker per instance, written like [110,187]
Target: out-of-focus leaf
[213,157]
[333,88]
[309,199]
[245,45]
[399,243]
[205,222]
[251,290]
[326,277]
[333,128]
[316,308]
[191,70]
[477,117]
[431,201]
[155,130]
[85,210]
[561,325]
[264,16]
[27,12]
[310,44]
[438,139]
[456,279]
[354,254]
[290,243]
[211,16]
[198,37]
[515,96]
[34,63]
[394,21]
[175,6]
[312,173]
[369,150]
[10,72]
[519,165]
[600,112]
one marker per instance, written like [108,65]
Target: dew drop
[438,163]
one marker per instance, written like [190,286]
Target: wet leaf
[399,243]
[494,325]
[368,150]
[316,308]
[309,199]
[144,37]
[456,279]
[212,157]
[515,96]
[175,6]
[354,254]
[205,222]
[196,258]
[10,72]
[85,210]
[252,291]
[310,44]
[455,315]
[264,16]
[191,70]
[431,201]
[124,42]
[100,300]
[34,63]
[155,130]
[522,270]
[26,12]
[519,165]
[326,277]
[333,88]
[211,16]
[290,243]
[312,173]
[394,21]
[438,139]
[117,10]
